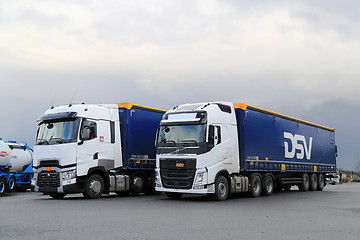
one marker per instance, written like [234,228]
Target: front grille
[49,179]
[177,173]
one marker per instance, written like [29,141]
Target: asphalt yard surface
[331,214]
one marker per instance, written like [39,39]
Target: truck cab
[195,144]
[72,142]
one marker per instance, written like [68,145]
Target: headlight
[69,174]
[157,179]
[199,178]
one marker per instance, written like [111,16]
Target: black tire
[255,185]
[221,189]
[137,183]
[321,182]
[94,187]
[57,195]
[313,182]
[173,195]
[268,185]
[2,186]
[304,186]
[10,186]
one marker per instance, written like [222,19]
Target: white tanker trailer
[15,166]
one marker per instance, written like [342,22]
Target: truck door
[88,147]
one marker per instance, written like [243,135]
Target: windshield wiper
[189,142]
[59,140]
[42,141]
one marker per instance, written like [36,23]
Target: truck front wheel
[221,188]
[255,185]
[94,187]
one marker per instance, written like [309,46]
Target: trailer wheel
[321,182]
[173,195]
[137,183]
[11,184]
[94,187]
[304,186]
[313,182]
[255,185]
[57,195]
[2,186]
[269,185]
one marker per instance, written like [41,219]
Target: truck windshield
[183,134]
[57,132]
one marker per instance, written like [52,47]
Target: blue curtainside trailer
[270,141]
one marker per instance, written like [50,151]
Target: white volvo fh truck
[219,148]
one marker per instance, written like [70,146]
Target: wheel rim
[321,181]
[222,189]
[256,186]
[11,183]
[306,181]
[269,185]
[95,186]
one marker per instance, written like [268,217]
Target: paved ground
[331,214]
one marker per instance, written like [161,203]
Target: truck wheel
[313,182]
[137,183]
[321,182]
[94,187]
[173,195]
[269,185]
[57,195]
[2,186]
[255,185]
[11,184]
[304,186]
[221,189]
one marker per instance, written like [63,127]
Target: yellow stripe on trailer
[245,106]
[128,106]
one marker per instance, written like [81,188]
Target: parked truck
[94,149]
[220,148]
[15,166]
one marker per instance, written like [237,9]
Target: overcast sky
[299,58]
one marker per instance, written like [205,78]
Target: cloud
[288,57]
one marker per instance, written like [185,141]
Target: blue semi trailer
[95,149]
[219,148]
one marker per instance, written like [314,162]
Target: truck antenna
[72,99]
[52,105]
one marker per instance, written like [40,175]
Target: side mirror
[85,133]
[211,137]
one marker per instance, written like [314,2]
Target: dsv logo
[298,142]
